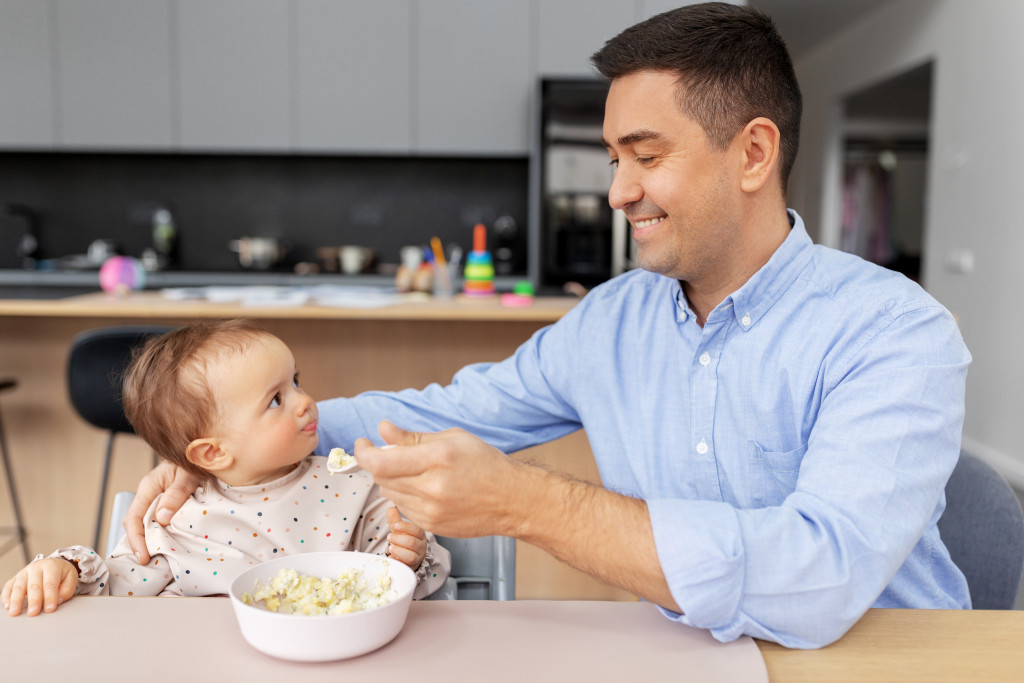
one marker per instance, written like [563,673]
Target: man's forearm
[604,534]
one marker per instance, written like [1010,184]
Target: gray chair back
[983,528]
[482,569]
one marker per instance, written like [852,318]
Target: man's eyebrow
[642,135]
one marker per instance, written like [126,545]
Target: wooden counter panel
[57,457]
[411,307]
[901,645]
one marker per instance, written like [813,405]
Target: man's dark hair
[732,64]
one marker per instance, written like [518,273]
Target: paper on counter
[339,296]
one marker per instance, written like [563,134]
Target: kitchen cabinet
[235,67]
[26,75]
[569,31]
[474,77]
[114,71]
[355,87]
[402,77]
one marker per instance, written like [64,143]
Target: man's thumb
[395,435]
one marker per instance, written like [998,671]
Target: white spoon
[339,460]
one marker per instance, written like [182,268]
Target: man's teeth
[649,222]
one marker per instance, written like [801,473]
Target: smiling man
[774,421]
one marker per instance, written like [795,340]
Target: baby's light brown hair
[165,395]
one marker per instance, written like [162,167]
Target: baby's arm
[43,585]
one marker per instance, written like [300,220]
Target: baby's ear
[208,455]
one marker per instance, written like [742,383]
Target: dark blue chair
[983,528]
[97,362]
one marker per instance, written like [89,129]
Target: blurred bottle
[165,236]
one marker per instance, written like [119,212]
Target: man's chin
[653,265]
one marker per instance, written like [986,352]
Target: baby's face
[264,418]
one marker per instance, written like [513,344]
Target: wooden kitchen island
[57,457]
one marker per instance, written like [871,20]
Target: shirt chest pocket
[773,474]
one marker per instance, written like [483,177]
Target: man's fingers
[396,436]
[389,463]
[393,434]
[176,485]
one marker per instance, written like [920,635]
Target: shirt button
[704,358]
[745,320]
[702,447]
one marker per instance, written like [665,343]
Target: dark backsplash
[310,201]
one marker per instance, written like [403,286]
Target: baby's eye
[276,401]
[295,379]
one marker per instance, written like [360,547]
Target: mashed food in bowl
[290,592]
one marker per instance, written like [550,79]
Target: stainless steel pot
[259,253]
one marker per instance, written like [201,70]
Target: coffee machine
[577,236]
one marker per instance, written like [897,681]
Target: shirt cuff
[700,549]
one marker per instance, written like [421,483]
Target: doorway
[886,130]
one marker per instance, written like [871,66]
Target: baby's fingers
[402,526]
[408,557]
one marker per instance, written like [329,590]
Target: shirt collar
[752,300]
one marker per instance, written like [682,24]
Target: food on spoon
[338,460]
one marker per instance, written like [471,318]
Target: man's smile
[648,222]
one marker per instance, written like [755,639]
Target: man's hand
[43,585]
[176,484]
[454,484]
[449,482]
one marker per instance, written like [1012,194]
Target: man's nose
[624,189]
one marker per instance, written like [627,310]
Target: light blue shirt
[792,452]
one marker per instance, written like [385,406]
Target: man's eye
[276,401]
[614,163]
[643,161]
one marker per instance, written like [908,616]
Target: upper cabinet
[114,73]
[569,32]
[26,75]
[234,60]
[474,76]
[354,89]
[402,77]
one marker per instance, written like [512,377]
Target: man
[774,422]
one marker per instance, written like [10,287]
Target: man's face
[677,191]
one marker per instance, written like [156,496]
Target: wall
[974,179]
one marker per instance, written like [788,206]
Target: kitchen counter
[153,305]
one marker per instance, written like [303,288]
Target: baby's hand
[44,583]
[407,543]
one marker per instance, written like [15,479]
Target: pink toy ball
[122,274]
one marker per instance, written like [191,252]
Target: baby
[222,400]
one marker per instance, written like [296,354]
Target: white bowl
[324,638]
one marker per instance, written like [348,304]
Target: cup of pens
[445,270]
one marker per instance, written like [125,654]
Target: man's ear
[761,147]
[208,455]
